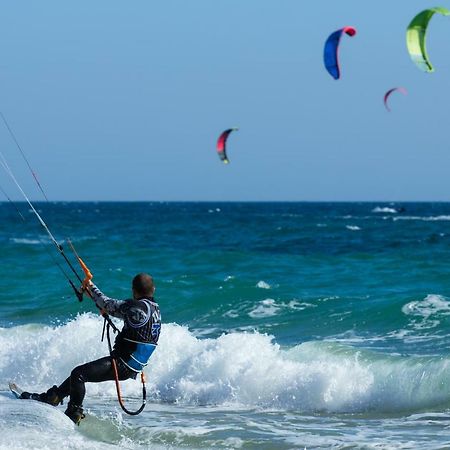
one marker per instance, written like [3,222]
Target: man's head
[142,286]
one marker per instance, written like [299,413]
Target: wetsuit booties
[75,413]
[51,397]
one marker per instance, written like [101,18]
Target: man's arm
[112,306]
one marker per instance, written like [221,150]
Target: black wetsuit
[132,348]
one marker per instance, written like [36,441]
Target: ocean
[285,325]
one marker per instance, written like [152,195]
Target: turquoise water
[286,325]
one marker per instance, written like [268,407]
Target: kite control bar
[87,273]
[85,287]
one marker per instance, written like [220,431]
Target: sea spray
[246,369]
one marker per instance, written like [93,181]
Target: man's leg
[52,396]
[92,372]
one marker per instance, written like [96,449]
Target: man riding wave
[133,346]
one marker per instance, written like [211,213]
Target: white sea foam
[263,285]
[380,209]
[269,307]
[25,241]
[46,239]
[314,376]
[409,336]
[431,305]
[83,238]
[38,426]
[266,308]
[428,311]
[424,218]
[353,227]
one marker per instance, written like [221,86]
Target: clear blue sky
[117,100]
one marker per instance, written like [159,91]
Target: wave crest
[247,369]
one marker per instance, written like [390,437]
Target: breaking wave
[312,376]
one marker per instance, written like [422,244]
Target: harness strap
[116,379]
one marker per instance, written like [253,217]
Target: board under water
[17,392]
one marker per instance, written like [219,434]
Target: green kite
[416,34]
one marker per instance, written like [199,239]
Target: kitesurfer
[132,348]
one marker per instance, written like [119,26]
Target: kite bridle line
[76,291]
[8,170]
[23,155]
[12,203]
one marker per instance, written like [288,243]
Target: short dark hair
[143,284]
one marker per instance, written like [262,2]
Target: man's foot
[30,396]
[75,413]
[51,396]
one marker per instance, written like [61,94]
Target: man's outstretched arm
[111,305]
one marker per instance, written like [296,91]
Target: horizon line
[229,201]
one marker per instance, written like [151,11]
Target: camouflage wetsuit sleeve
[137,340]
[112,306]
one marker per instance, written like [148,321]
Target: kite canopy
[390,91]
[416,34]
[222,144]
[330,51]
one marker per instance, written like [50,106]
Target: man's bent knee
[77,374]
